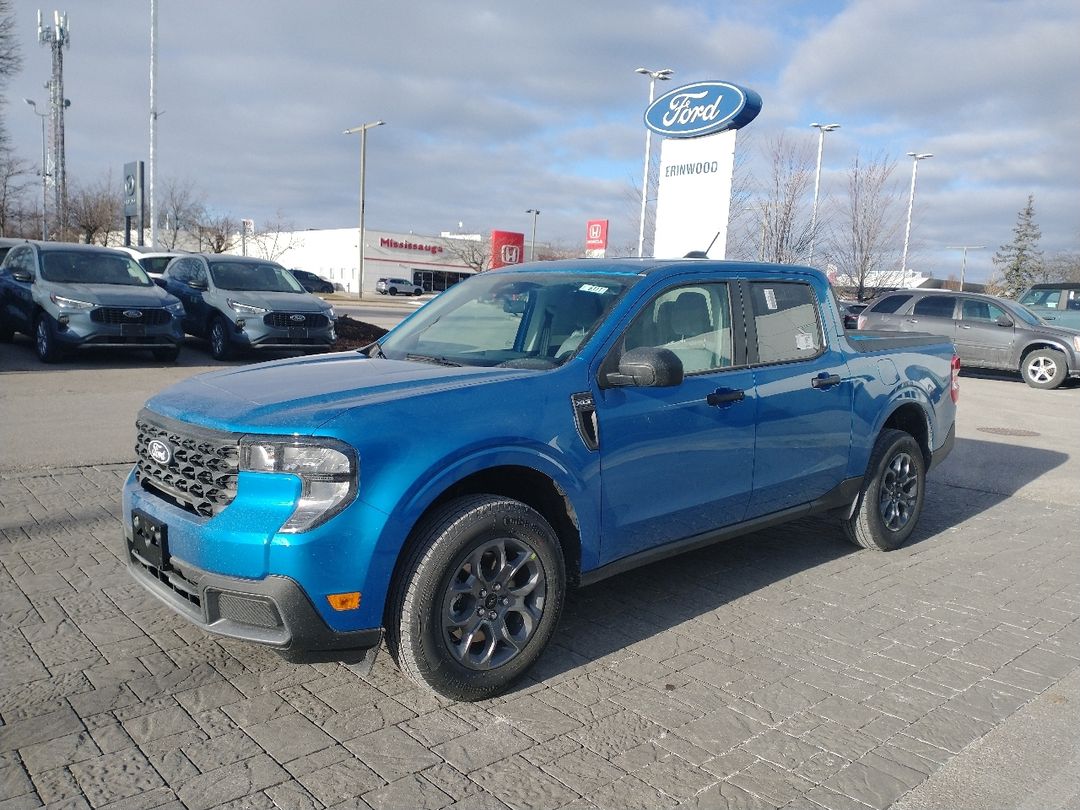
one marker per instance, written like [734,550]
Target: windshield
[515,320]
[85,267]
[253,277]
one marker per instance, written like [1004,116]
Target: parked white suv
[397,286]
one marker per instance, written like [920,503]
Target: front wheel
[48,347]
[1045,368]
[220,345]
[892,496]
[478,599]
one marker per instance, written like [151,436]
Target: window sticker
[804,341]
[592,288]
[770,298]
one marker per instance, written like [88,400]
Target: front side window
[935,306]
[975,310]
[786,321]
[252,277]
[79,267]
[693,321]
[19,259]
[516,320]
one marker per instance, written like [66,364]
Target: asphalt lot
[785,669]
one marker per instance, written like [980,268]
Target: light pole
[915,158]
[963,264]
[44,170]
[822,129]
[532,245]
[362,129]
[654,76]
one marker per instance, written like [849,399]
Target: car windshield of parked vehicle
[79,267]
[513,320]
[253,277]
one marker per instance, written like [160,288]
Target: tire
[221,347]
[166,354]
[393,290]
[468,635]
[45,342]
[418,293]
[1045,368]
[893,492]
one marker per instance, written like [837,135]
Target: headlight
[176,308]
[246,309]
[70,303]
[327,470]
[331,314]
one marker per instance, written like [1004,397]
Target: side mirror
[1004,320]
[22,275]
[197,284]
[648,367]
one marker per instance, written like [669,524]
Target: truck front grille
[200,472]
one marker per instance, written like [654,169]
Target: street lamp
[654,77]
[532,245]
[822,129]
[915,158]
[44,170]
[362,129]
[963,264]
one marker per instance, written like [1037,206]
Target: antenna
[57,37]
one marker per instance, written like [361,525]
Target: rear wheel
[892,496]
[221,347]
[1045,368]
[479,598]
[393,290]
[45,342]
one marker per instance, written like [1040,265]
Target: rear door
[803,397]
[18,296]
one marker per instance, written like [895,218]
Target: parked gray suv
[988,332]
[239,303]
[68,296]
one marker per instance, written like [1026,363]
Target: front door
[980,339]
[678,462]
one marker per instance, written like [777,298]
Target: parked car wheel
[418,291]
[478,599]
[892,496]
[166,354]
[1045,368]
[48,348]
[393,290]
[221,347]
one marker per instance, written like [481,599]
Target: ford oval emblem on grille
[298,318]
[132,313]
[159,452]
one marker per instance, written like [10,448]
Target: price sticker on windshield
[593,289]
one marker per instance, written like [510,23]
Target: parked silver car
[988,332]
[397,286]
[239,303]
[69,296]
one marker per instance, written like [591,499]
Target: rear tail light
[862,322]
[954,389]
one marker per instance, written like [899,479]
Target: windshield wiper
[374,350]
[429,358]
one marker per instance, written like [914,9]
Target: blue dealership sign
[702,108]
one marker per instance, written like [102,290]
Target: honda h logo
[595,230]
[510,254]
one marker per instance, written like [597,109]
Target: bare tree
[861,244]
[10,59]
[216,234]
[276,239]
[95,210]
[473,253]
[14,182]
[181,209]
[783,201]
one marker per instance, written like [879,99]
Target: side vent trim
[585,419]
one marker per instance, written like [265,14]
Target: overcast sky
[494,108]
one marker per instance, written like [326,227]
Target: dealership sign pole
[697,160]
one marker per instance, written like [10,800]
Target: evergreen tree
[1021,260]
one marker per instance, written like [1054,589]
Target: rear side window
[976,310]
[935,306]
[786,320]
[890,304]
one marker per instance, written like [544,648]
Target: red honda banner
[507,247]
[596,238]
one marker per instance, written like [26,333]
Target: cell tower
[57,37]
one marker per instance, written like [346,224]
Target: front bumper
[255,334]
[76,330]
[273,611]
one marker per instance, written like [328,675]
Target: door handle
[824,380]
[725,396]
[912,320]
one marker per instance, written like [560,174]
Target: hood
[114,295]
[299,395]
[276,301]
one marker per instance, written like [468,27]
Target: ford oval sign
[702,108]
[159,452]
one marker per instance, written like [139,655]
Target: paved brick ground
[786,669]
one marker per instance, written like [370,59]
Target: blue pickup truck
[444,487]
